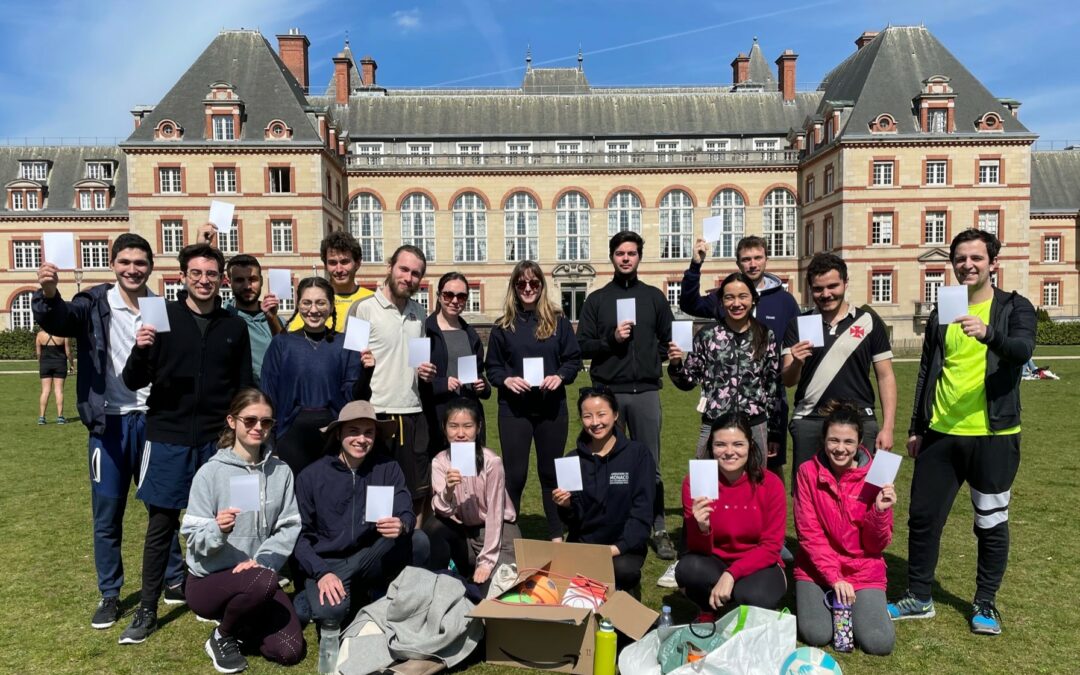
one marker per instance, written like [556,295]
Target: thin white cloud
[407,19]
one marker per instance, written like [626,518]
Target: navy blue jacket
[508,348]
[437,392]
[776,307]
[332,498]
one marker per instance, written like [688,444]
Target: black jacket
[615,506]
[194,376]
[437,392]
[636,364]
[508,348]
[1010,342]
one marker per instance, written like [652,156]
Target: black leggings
[628,570]
[698,573]
[161,528]
[516,434]
[303,442]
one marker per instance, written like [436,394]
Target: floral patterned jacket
[731,378]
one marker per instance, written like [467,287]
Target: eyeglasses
[267,423]
[447,296]
[524,284]
[195,275]
[317,304]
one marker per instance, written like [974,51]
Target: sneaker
[107,613]
[144,623]
[224,651]
[61,420]
[910,607]
[665,550]
[41,421]
[985,619]
[174,595]
[667,579]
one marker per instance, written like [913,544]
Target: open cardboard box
[554,637]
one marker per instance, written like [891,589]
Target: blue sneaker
[910,607]
[985,619]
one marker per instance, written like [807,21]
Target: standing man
[261,316]
[855,341]
[395,318]
[628,357]
[194,369]
[965,426]
[340,253]
[104,320]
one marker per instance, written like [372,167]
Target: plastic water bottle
[604,653]
[665,617]
[329,641]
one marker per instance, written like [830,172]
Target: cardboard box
[553,637]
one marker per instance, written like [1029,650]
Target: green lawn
[49,583]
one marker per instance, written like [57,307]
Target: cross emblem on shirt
[857,332]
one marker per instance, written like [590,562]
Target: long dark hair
[468,406]
[242,399]
[598,391]
[755,466]
[759,334]
[325,287]
[841,412]
[445,279]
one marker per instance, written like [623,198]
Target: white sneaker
[667,579]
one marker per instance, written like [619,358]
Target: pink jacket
[841,537]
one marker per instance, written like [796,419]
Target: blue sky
[72,68]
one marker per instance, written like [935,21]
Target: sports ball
[810,661]
[541,589]
[515,598]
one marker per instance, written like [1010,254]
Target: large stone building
[899,148]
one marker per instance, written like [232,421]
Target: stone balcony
[571,161]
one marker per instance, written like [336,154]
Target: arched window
[624,212]
[365,223]
[572,227]
[21,316]
[676,225]
[730,206]
[522,227]
[418,224]
[470,228]
[780,222]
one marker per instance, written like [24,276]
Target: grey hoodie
[267,535]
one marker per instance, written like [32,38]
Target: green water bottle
[604,653]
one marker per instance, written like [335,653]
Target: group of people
[236,395]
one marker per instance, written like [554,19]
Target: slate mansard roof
[1055,182]
[67,166]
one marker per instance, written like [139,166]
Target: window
[280,179]
[932,281]
[33,170]
[883,173]
[94,254]
[470,228]
[224,180]
[731,207]
[365,223]
[674,290]
[99,170]
[26,255]
[17,201]
[572,227]
[881,229]
[569,152]
[85,200]
[229,241]
[624,212]
[418,224]
[519,152]
[766,146]
[779,216]
[1052,249]
[937,121]
[989,171]
[22,317]
[664,150]
[810,187]
[422,296]
[934,227]
[224,129]
[830,181]
[573,298]
[169,178]
[100,203]
[472,305]
[225,293]
[172,291]
[617,152]
[827,225]
[522,228]
[31,200]
[369,153]
[988,221]
[717,148]
[287,306]
[281,236]
[936,172]
[810,234]
[470,153]
[881,288]
[676,225]
[172,236]
[419,153]
[1051,293]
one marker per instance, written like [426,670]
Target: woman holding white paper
[844,525]
[532,327]
[234,556]
[474,523]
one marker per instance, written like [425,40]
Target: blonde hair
[547,313]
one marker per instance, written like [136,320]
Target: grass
[49,588]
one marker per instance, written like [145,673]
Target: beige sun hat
[362,410]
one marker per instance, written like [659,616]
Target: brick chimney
[342,66]
[786,74]
[367,71]
[740,69]
[293,50]
[865,38]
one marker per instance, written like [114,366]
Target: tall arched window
[365,223]
[572,227]
[730,206]
[676,225]
[21,317]
[470,228]
[624,212]
[418,224]
[522,227]
[780,222]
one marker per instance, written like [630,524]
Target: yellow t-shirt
[342,303]
[960,397]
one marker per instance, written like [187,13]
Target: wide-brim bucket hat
[362,410]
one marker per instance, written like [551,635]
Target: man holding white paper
[261,315]
[965,426]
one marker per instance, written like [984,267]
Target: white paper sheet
[244,492]
[884,469]
[568,473]
[419,351]
[533,371]
[810,328]
[281,284]
[152,310]
[221,215]
[712,228]
[682,334]
[704,478]
[625,310]
[59,249]
[357,334]
[952,303]
[380,503]
[466,369]
[463,458]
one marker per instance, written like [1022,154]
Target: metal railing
[1046,145]
[595,160]
[20,141]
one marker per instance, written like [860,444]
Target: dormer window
[277,131]
[937,121]
[883,124]
[33,170]
[936,106]
[99,170]
[224,112]
[168,130]
[224,129]
[24,200]
[991,121]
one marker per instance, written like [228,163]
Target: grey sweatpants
[641,417]
[874,630]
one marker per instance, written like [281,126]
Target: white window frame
[86,200]
[884,173]
[470,153]
[519,152]
[676,225]
[809,239]
[423,298]
[33,170]
[100,202]
[225,291]
[673,291]
[171,290]
[568,152]
[18,203]
[470,229]
[224,127]
[225,180]
[418,223]
[21,316]
[474,304]
[666,150]
[828,181]
[366,224]
[937,172]
[624,212]
[25,254]
[275,183]
[369,153]
[32,203]
[717,147]
[882,228]
[1052,249]
[175,180]
[521,221]
[97,170]
[616,153]
[811,188]
[767,147]
[1051,294]
[172,236]
[989,172]
[780,217]
[935,227]
[419,153]
[932,283]
[572,227]
[985,224]
[229,241]
[828,225]
[731,207]
[937,120]
[281,236]
[881,288]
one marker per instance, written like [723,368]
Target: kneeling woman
[733,542]
[618,478]
[475,522]
[842,534]
[234,556]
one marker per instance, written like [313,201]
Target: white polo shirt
[394,385]
[124,322]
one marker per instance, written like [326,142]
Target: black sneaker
[174,595]
[224,651]
[665,550]
[142,625]
[107,613]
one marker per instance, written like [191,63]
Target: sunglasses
[524,284]
[447,296]
[267,423]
